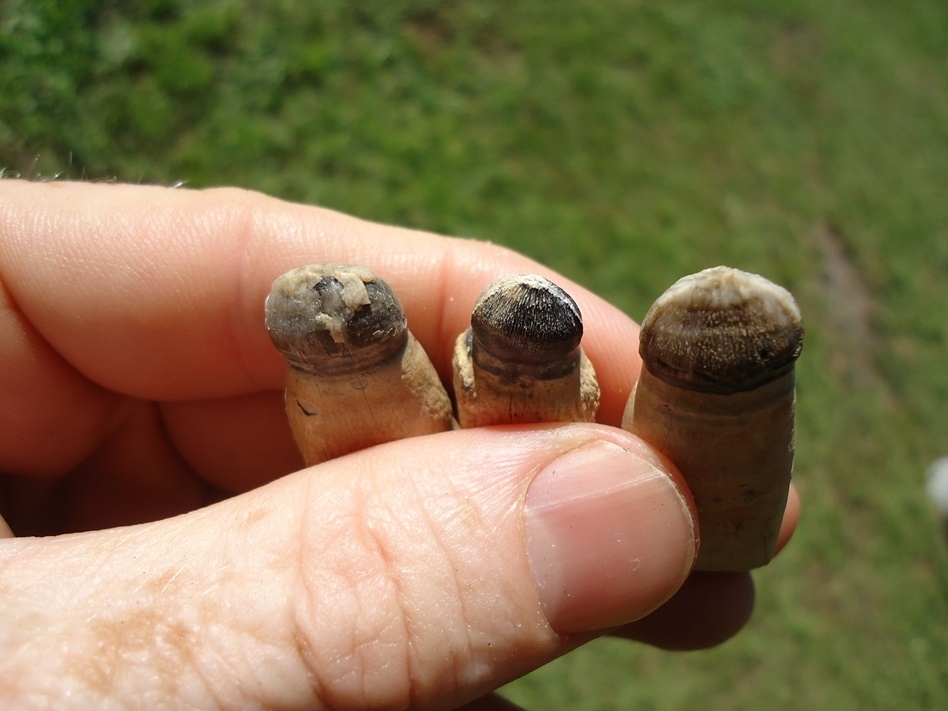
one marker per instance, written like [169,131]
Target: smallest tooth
[520,361]
[525,320]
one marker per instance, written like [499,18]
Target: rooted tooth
[716,396]
[521,360]
[357,375]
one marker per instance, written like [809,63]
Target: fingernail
[610,536]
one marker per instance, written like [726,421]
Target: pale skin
[139,386]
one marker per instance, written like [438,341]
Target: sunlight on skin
[397,532]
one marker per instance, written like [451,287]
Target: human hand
[138,383]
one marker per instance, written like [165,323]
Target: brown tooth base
[357,376]
[521,362]
[717,397]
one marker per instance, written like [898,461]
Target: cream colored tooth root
[521,361]
[717,397]
[357,376]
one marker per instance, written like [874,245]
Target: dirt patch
[847,301]
[796,47]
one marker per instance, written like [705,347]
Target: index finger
[158,293]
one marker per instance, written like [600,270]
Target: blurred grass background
[625,144]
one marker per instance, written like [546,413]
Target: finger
[133,476]
[710,608]
[43,394]
[159,292]
[236,443]
[424,572]
[791,518]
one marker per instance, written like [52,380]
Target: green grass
[624,144]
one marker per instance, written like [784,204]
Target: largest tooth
[717,397]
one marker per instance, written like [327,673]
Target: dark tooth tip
[526,319]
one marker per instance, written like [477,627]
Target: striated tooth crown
[721,330]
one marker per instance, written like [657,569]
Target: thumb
[421,573]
